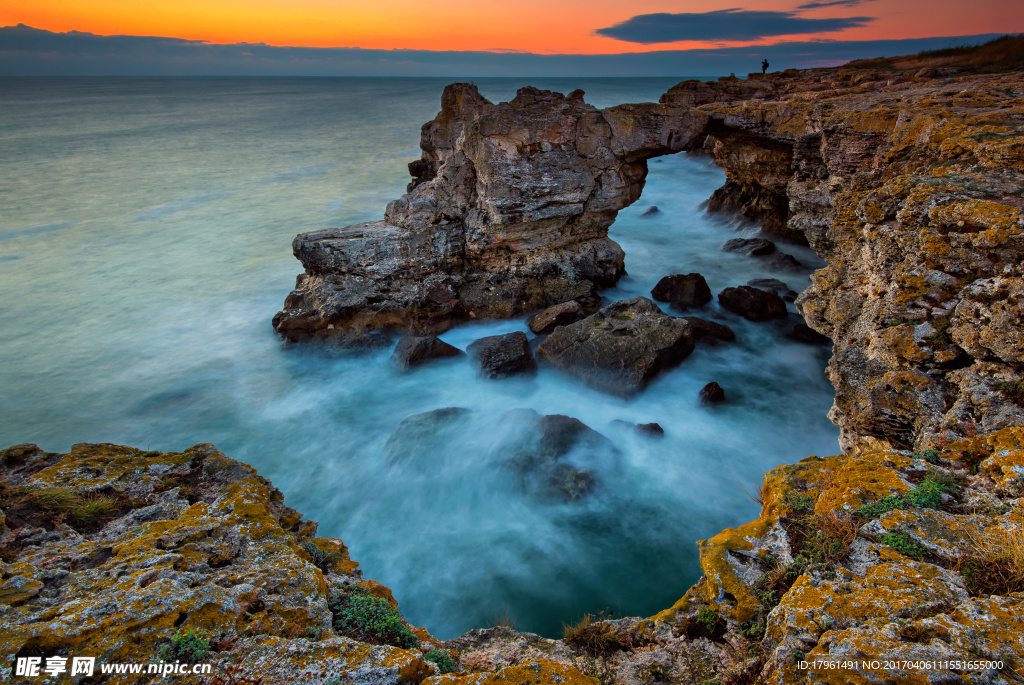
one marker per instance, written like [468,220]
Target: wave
[35,230]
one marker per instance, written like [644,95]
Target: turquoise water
[145,244]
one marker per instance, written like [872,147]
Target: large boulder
[774,285]
[557,315]
[498,356]
[622,347]
[682,290]
[752,303]
[703,328]
[416,349]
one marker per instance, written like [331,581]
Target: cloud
[832,3]
[722,25]
[33,52]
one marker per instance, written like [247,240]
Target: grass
[1005,53]
[504,620]
[1013,391]
[591,636]
[996,565]
[902,543]
[441,659]
[63,502]
[927,495]
[360,615]
[324,559]
[187,645]
[707,617]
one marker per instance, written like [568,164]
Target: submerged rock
[622,347]
[651,211]
[653,429]
[416,437]
[683,291]
[752,303]
[703,328]
[555,455]
[774,285]
[780,261]
[752,247]
[416,349]
[500,356]
[557,315]
[712,393]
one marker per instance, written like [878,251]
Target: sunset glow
[539,26]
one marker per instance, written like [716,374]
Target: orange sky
[543,26]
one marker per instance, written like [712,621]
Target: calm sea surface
[145,244]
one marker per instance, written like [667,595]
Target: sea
[145,245]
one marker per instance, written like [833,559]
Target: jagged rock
[774,285]
[780,261]
[416,349]
[622,347]
[557,315]
[652,429]
[683,291]
[491,227]
[712,393]
[753,304]
[651,211]
[752,247]
[806,334]
[500,356]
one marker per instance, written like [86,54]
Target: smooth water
[145,244]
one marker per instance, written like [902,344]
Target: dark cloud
[833,3]
[31,52]
[722,25]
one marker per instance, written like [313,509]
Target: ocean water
[145,244]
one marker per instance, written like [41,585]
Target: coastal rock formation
[558,315]
[753,304]
[622,347]
[413,350]
[508,213]
[499,356]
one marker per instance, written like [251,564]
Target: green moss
[187,645]
[321,557]
[364,617]
[927,495]
[797,501]
[707,617]
[442,659]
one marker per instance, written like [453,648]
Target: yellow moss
[538,672]
[721,576]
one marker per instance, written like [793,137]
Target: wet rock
[651,211]
[417,349]
[703,328]
[554,455]
[499,356]
[416,437]
[780,261]
[652,429]
[682,290]
[806,334]
[558,315]
[774,285]
[622,347]
[752,303]
[752,247]
[712,393]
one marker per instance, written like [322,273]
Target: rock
[557,315]
[753,304]
[554,455]
[712,393]
[416,349]
[780,261]
[651,211]
[652,429]
[752,247]
[774,285]
[417,437]
[499,356]
[683,291]
[711,329]
[620,348]
[806,334]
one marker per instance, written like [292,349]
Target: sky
[558,28]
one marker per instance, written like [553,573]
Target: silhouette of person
[764,66]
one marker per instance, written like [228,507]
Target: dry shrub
[504,620]
[994,565]
[593,637]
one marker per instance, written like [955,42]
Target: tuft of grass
[707,617]
[441,659]
[930,456]
[360,615]
[902,543]
[927,495]
[797,501]
[996,565]
[504,620]
[1013,391]
[323,558]
[590,636]
[187,645]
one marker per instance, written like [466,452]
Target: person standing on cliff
[764,66]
